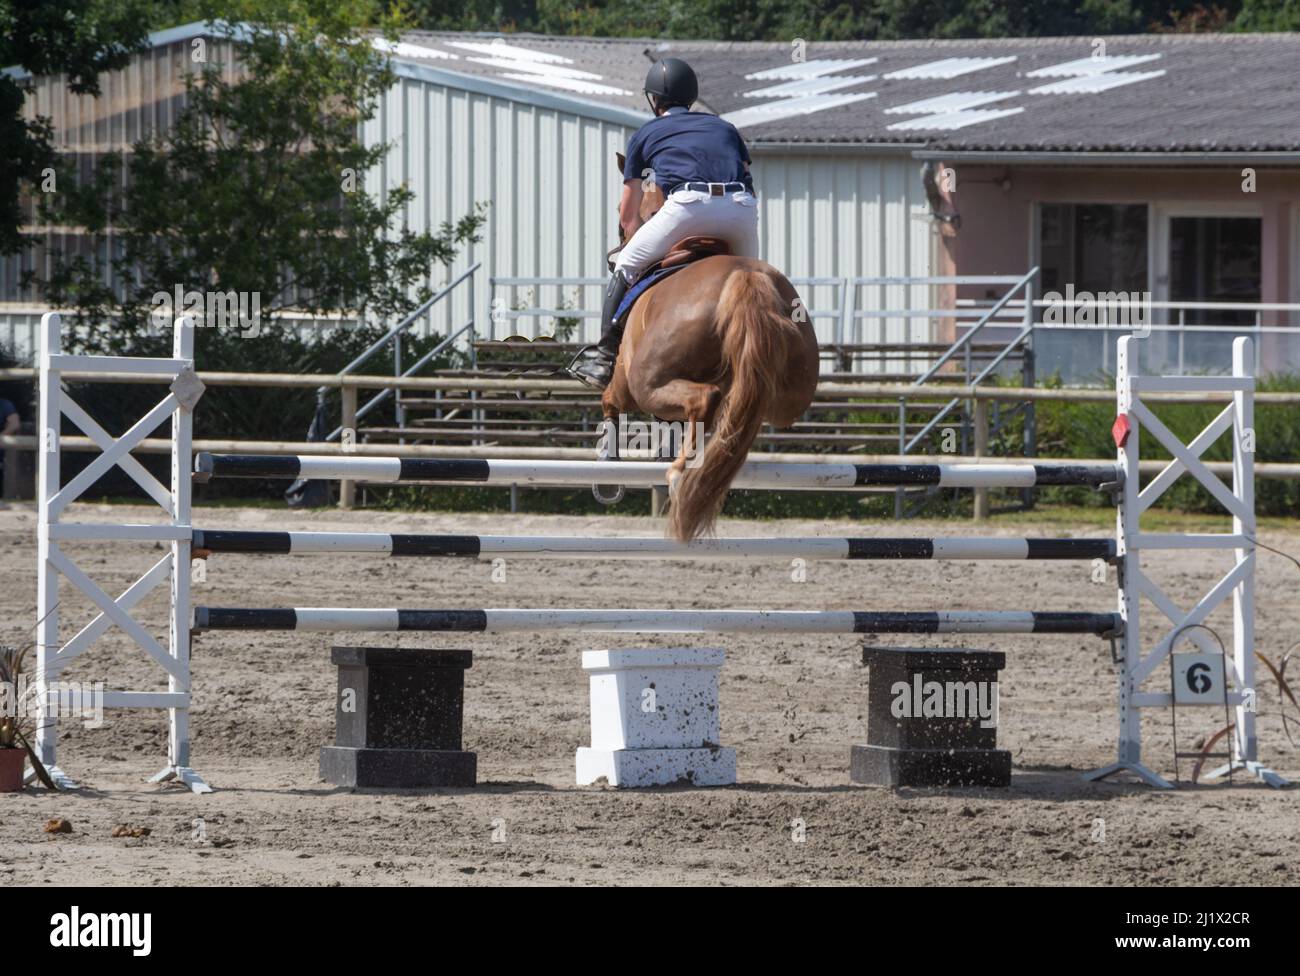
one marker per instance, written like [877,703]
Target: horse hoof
[614,499]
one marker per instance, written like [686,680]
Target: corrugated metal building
[466,129]
[1119,165]
[465,132]
[135,103]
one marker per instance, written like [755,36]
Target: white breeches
[692,213]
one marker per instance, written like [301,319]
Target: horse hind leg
[615,401]
[695,405]
[617,397]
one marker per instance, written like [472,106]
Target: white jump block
[654,718]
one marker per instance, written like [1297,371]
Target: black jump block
[398,718]
[947,749]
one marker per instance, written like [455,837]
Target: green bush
[1082,430]
[245,413]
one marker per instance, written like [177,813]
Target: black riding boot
[594,365]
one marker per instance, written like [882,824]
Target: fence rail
[862,311]
[350,384]
[827,390]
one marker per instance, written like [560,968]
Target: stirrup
[589,359]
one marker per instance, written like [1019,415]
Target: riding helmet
[673,82]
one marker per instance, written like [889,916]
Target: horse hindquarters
[759,341]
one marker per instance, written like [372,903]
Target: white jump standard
[647,547]
[646,474]
[1138,667]
[53,654]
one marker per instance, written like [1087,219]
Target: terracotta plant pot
[11,769]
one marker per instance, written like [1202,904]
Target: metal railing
[537,312]
[843,318]
[836,315]
[502,313]
[1170,319]
[20,325]
[857,302]
[978,427]
[394,338]
[963,343]
[858,311]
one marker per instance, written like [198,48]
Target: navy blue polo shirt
[6,408]
[687,147]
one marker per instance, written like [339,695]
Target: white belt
[712,189]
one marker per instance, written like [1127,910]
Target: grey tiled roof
[621,64]
[1206,93]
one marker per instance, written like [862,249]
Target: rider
[701,164]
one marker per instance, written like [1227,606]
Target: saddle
[686,251]
[690,249]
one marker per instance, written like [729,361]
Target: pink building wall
[997,220]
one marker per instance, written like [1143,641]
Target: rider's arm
[744,151]
[629,208]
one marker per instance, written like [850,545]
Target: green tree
[77,38]
[827,20]
[1268,15]
[259,187]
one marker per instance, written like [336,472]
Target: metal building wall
[141,99]
[548,176]
[552,184]
[545,166]
[135,102]
[848,213]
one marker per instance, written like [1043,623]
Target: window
[1092,246]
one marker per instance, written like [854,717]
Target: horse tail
[757,335]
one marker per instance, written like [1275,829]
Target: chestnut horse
[725,346]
